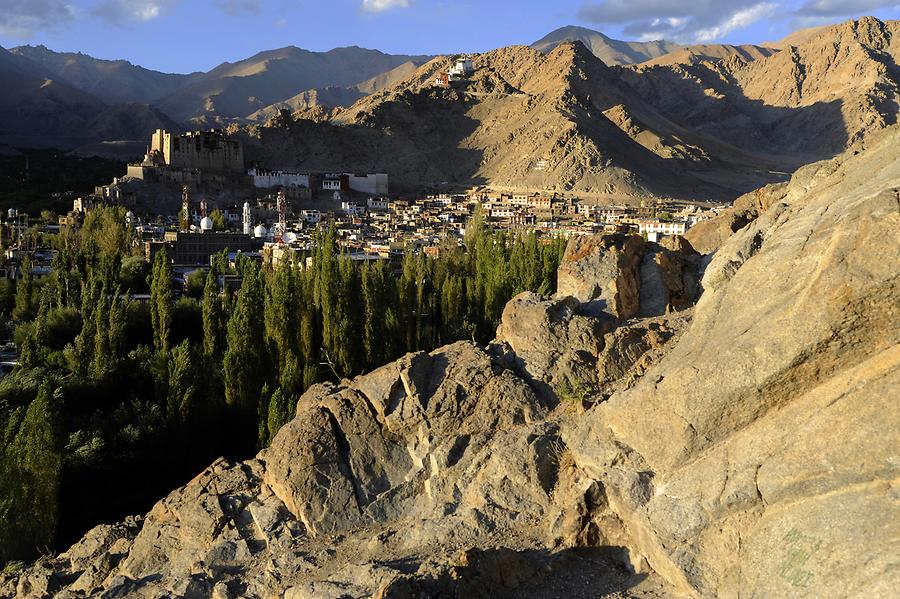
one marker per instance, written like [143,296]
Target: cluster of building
[284,209]
[203,158]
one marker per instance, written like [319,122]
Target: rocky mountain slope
[704,123]
[610,51]
[241,88]
[334,96]
[806,102]
[562,121]
[710,52]
[36,108]
[111,81]
[624,437]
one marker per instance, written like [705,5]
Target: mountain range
[576,111]
[706,127]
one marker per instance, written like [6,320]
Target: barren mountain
[699,53]
[336,97]
[806,102]
[112,81]
[35,109]
[563,121]
[623,438]
[795,37]
[239,89]
[131,121]
[610,51]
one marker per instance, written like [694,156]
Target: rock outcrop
[767,437]
[747,446]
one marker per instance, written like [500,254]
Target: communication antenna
[281,225]
[185,209]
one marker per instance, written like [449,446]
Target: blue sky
[189,35]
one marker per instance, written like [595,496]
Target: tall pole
[185,210]
[281,226]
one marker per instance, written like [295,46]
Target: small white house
[463,67]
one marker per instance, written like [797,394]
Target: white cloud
[840,8]
[739,20]
[699,20]
[22,18]
[382,5]
[119,11]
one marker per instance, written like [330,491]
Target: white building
[265,178]
[654,228]
[502,211]
[352,208]
[378,203]
[311,216]
[463,67]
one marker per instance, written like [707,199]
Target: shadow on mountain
[389,140]
[714,105]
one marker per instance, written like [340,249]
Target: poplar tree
[283,327]
[31,468]
[243,362]
[24,292]
[281,411]
[213,317]
[161,302]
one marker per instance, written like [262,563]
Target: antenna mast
[185,209]
[281,225]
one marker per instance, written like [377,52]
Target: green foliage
[243,363]
[149,393]
[105,231]
[213,317]
[194,284]
[24,293]
[161,302]
[218,219]
[30,472]
[133,275]
[281,411]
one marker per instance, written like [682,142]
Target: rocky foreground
[623,439]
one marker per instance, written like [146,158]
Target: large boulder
[551,343]
[669,277]
[759,455]
[601,272]
[709,235]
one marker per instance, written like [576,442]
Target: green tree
[30,470]
[243,364]
[213,316]
[283,326]
[281,411]
[24,292]
[218,219]
[161,302]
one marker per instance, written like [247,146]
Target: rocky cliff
[617,439]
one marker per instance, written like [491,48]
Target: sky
[196,35]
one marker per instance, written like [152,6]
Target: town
[272,215]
